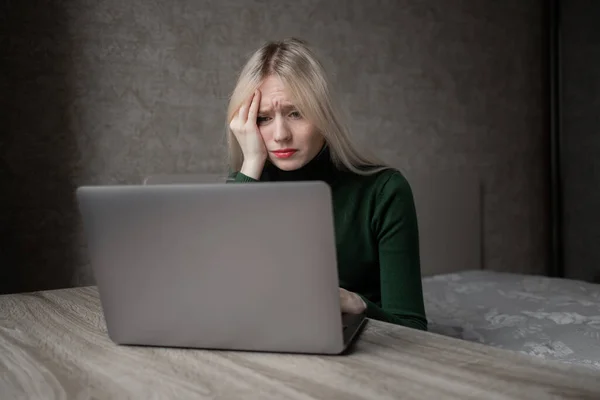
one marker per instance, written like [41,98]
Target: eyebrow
[287,107]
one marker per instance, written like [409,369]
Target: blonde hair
[292,61]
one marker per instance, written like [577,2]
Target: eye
[295,115]
[262,120]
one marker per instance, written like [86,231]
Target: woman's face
[291,140]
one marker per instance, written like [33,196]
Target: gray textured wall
[99,92]
[581,137]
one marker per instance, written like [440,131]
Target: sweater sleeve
[396,229]
[238,177]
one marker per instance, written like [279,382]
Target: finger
[243,113]
[253,112]
[351,303]
[344,301]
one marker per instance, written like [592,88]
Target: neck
[320,168]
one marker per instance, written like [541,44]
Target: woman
[283,126]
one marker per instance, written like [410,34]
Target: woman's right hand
[243,125]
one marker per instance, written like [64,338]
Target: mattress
[551,318]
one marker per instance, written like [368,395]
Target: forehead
[274,94]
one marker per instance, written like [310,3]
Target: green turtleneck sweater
[376,236]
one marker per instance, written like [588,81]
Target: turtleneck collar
[320,168]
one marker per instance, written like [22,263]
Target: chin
[287,165]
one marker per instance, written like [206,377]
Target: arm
[238,177]
[396,229]
[250,172]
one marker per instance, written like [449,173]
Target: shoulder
[392,180]
[389,182]
[391,196]
[394,207]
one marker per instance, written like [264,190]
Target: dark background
[98,92]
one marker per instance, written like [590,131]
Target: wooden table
[53,345]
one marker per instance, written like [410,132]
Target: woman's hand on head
[244,127]
[351,303]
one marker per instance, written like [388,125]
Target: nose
[282,131]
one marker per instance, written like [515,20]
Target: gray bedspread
[545,317]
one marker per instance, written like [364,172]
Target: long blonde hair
[292,61]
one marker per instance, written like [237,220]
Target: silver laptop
[218,266]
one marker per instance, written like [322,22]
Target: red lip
[284,153]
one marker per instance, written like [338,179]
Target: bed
[543,317]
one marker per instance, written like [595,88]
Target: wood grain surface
[53,345]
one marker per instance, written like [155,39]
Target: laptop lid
[222,266]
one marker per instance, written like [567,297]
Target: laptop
[219,266]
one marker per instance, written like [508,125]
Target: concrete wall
[98,92]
